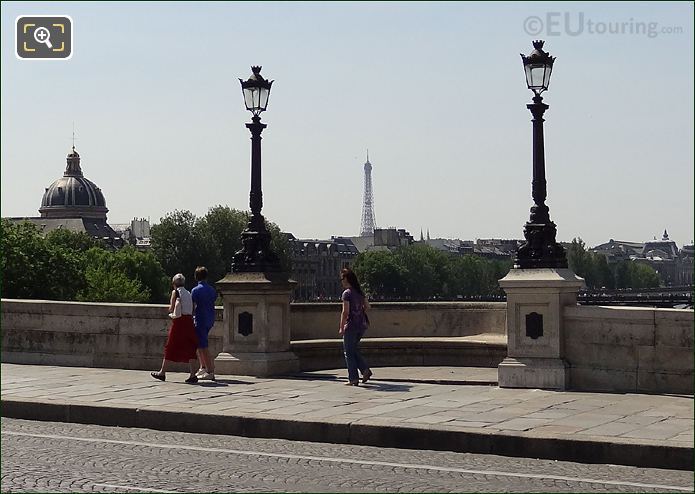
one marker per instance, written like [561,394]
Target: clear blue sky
[436,92]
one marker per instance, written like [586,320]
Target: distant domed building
[671,264]
[75,203]
[659,250]
[73,196]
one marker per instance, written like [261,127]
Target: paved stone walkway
[477,418]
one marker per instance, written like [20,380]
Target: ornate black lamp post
[540,249]
[255,255]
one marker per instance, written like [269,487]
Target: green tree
[141,268]
[223,226]
[77,241]
[380,273]
[420,272]
[498,269]
[34,268]
[424,271]
[597,273]
[180,247]
[465,275]
[580,261]
[280,244]
[591,266]
[621,274]
[65,265]
[144,267]
[62,273]
[477,276]
[642,276]
[181,242]
[22,247]
[473,275]
[603,271]
[106,284]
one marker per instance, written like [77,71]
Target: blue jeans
[353,356]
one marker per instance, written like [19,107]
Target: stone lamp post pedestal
[535,339]
[256,339]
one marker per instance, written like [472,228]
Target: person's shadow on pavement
[221,383]
[385,387]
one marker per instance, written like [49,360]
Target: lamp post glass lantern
[255,254]
[540,249]
[538,67]
[256,91]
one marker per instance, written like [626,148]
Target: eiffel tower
[368,217]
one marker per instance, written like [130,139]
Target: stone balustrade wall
[608,348]
[132,336]
[126,336]
[630,349]
[403,320]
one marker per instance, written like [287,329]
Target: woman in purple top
[353,324]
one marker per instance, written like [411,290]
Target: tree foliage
[420,272]
[109,285]
[146,276]
[33,267]
[179,246]
[65,265]
[642,276]
[222,226]
[77,241]
[381,273]
[597,273]
[181,242]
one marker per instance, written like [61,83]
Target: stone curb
[360,433]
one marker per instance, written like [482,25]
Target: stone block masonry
[630,349]
[623,349]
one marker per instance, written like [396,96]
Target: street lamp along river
[256,294]
[540,249]
[256,254]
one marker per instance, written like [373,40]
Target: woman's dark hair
[348,275]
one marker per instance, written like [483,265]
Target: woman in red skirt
[182,342]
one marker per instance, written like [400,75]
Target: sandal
[367,376]
[353,383]
[158,376]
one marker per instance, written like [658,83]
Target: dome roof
[73,196]
[73,191]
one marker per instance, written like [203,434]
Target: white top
[185,300]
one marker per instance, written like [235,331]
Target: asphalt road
[61,457]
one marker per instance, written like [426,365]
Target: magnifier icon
[43,35]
